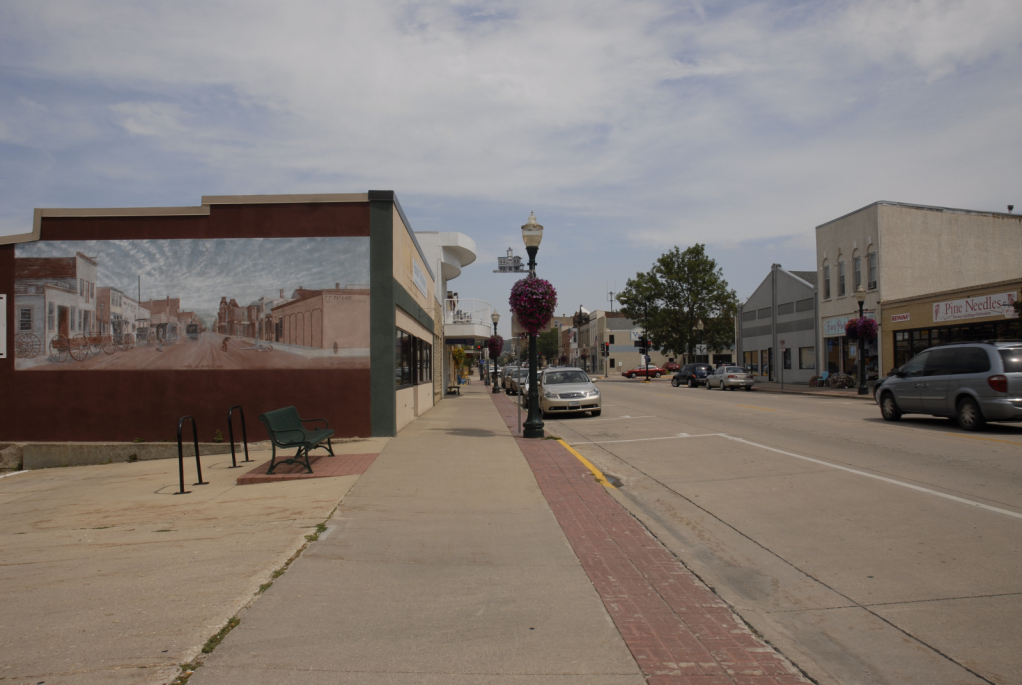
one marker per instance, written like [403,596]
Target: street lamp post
[532,234]
[495,317]
[860,297]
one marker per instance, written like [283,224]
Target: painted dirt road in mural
[88,305]
[209,351]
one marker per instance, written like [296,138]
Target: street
[866,551]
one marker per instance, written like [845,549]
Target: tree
[546,343]
[681,290]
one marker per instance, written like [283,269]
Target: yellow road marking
[976,437]
[752,407]
[596,472]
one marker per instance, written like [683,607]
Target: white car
[729,378]
[565,390]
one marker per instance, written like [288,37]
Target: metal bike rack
[181,457]
[230,431]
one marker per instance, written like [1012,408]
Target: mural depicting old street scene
[259,303]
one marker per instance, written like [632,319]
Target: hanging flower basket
[495,345]
[867,328]
[458,357]
[533,301]
[852,329]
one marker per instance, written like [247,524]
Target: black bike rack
[181,456]
[230,432]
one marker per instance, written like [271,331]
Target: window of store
[826,281]
[413,359]
[787,358]
[872,258]
[611,339]
[856,273]
[49,316]
[909,343]
[840,279]
[807,357]
[25,319]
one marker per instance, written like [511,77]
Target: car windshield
[1012,357]
[735,369]
[560,377]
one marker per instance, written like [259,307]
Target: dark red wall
[124,405]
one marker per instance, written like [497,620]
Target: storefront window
[834,354]
[807,357]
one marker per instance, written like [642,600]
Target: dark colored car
[692,375]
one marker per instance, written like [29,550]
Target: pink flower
[533,301]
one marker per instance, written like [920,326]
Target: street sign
[782,345]
[701,349]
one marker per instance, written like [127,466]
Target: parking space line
[875,476]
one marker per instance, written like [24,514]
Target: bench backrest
[284,419]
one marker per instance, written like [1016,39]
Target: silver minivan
[970,382]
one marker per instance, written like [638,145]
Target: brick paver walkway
[323,466]
[678,630]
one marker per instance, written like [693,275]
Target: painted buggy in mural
[79,346]
[192,332]
[27,346]
[145,334]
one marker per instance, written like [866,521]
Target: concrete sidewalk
[444,564]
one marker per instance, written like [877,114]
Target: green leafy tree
[546,343]
[680,291]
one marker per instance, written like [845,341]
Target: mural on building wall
[255,303]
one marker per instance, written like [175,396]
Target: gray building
[781,313]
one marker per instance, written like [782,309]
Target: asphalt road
[866,551]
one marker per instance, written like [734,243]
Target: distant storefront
[912,325]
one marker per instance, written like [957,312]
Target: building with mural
[353,343]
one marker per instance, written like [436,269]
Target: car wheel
[969,416]
[691,383]
[674,382]
[631,375]
[889,408]
[722,386]
[707,383]
[596,412]
[656,375]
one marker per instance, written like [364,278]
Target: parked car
[729,378]
[970,382]
[672,366]
[653,371]
[505,375]
[518,382]
[567,390]
[692,375]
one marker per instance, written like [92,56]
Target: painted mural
[258,303]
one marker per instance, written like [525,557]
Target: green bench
[287,432]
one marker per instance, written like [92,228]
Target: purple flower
[495,345]
[533,301]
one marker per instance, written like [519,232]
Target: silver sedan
[568,390]
[729,378]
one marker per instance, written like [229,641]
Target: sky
[627,127]
[200,272]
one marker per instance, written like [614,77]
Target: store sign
[835,326]
[975,307]
[419,278]
[895,318]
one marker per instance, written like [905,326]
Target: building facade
[380,379]
[897,251]
[777,327]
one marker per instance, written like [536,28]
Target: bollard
[181,456]
[230,432]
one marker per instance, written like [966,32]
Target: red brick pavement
[323,466]
[678,630]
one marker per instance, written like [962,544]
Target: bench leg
[273,460]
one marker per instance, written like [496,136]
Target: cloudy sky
[200,272]
[628,127]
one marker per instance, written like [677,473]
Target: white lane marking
[873,475]
[8,475]
[669,437]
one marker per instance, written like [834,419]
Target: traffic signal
[606,349]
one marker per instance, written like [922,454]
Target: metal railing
[230,431]
[181,457]
[467,311]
